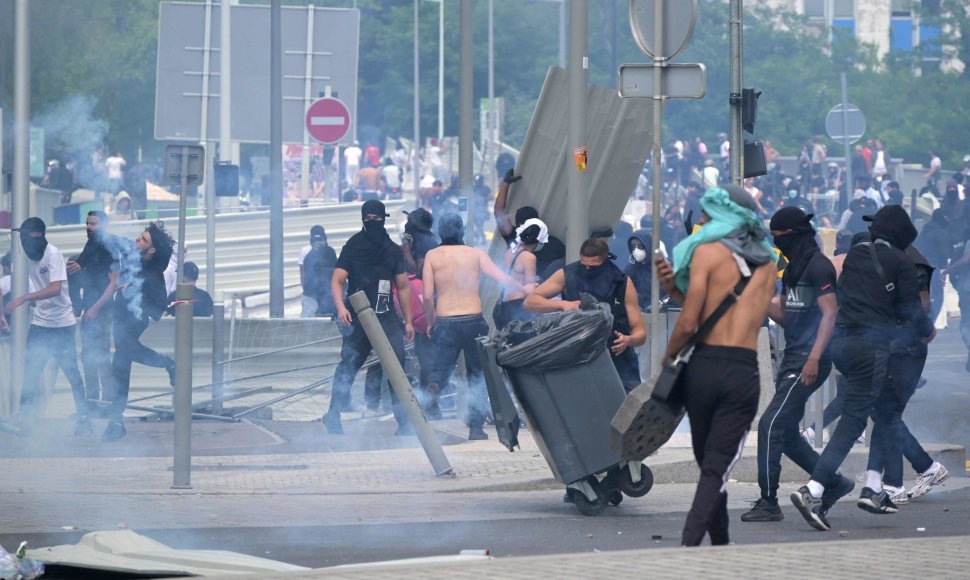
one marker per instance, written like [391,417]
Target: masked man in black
[369,262]
[806,310]
[596,275]
[878,288]
[94,277]
[141,295]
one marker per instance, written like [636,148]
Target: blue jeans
[453,335]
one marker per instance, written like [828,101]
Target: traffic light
[754,159]
[227,180]
[749,108]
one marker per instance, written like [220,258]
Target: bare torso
[740,324]
[456,271]
[369,179]
[523,271]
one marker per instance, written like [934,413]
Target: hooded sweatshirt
[866,307]
[641,273]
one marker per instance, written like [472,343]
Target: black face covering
[34,247]
[374,229]
[598,280]
[798,246]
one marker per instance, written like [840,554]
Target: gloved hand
[511,177]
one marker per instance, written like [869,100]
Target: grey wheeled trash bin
[568,390]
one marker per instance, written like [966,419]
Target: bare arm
[665,276]
[541,299]
[337,290]
[404,299]
[427,276]
[693,303]
[776,310]
[491,270]
[638,334]
[105,296]
[502,221]
[52,290]
[828,305]
[529,272]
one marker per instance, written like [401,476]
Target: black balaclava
[34,246]
[374,229]
[798,245]
[892,224]
[451,230]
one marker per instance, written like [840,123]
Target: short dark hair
[594,248]
[190,271]
[98,214]
[162,242]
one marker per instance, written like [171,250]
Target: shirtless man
[451,276]
[368,183]
[720,383]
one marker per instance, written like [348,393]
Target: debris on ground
[19,566]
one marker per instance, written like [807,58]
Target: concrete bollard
[182,398]
[399,382]
[218,350]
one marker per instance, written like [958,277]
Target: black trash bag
[556,340]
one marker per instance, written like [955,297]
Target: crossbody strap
[711,320]
[890,287]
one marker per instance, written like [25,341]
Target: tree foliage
[105,51]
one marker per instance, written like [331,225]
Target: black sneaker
[876,503]
[477,434]
[332,422]
[835,493]
[83,427]
[115,431]
[170,367]
[811,508]
[763,510]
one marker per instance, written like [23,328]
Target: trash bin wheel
[591,508]
[616,498]
[638,489]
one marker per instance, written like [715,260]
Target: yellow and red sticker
[579,156]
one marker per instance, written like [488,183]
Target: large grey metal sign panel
[679,81]
[851,123]
[182,66]
[679,17]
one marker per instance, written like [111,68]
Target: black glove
[511,177]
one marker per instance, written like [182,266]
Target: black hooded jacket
[866,307]
[641,273]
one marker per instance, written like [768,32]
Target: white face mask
[639,254]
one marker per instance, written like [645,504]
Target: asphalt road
[562,532]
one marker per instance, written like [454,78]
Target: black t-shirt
[802,314]
[96,263]
[552,251]
[423,242]
[373,272]
[201,308]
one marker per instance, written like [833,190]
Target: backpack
[418,319]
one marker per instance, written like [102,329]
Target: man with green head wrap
[720,384]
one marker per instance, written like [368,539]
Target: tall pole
[849,185]
[577,204]
[562,33]
[492,109]
[441,70]
[225,137]
[736,136]
[656,333]
[416,148]
[465,163]
[613,42]
[209,190]
[21,184]
[275,164]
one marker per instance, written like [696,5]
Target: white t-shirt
[114,164]
[5,285]
[725,149]
[303,253]
[391,175]
[352,155]
[56,311]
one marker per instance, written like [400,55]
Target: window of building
[815,9]
[902,8]
[901,34]
[843,9]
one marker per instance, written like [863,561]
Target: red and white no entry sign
[328,120]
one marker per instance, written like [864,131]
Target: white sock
[810,433]
[933,469]
[874,480]
[815,488]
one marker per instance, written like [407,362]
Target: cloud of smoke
[72,131]
[130,264]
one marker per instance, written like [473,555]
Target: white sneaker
[809,436]
[897,495]
[935,475]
